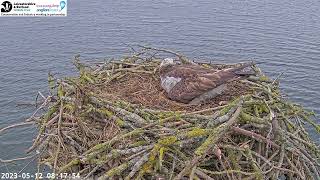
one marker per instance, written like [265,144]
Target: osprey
[184,82]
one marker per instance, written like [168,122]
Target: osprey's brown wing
[185,71]
[193,86]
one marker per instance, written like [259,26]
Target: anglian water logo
[62,4]
[6,6]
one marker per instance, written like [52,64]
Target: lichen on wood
[114,121]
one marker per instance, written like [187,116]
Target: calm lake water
[284,35]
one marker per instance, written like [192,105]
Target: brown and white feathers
[184,82]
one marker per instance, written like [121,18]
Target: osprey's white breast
[168,83]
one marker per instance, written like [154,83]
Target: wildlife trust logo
[6,6]
[29,8]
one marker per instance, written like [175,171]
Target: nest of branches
[113,121]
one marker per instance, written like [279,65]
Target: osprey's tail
[230,74]
[239,70]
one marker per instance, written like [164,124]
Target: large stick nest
[114,121]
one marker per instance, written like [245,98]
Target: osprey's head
[167,62]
